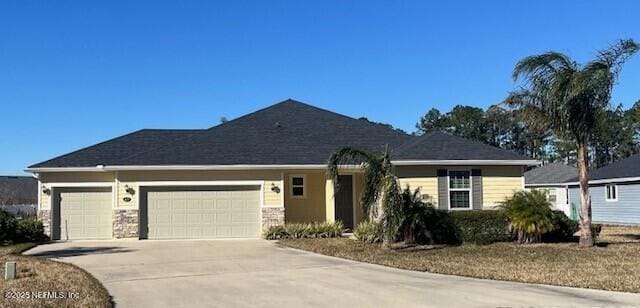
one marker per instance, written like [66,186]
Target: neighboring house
[18,194]
[615,192]
[552,179]
[265,168]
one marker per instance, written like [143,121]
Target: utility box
[10,270]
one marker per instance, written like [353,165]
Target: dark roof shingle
[18,190]
[625,168]
[289,132]
[550,174]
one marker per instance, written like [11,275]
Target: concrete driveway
[257,273]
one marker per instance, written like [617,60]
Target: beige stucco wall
[312,207]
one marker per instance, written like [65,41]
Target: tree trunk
[586,237]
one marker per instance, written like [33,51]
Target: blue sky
[76,73]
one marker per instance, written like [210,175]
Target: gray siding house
[615,192]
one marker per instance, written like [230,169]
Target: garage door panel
[85,214]
[201,213]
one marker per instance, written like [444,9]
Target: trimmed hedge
[482,227]
[304,230]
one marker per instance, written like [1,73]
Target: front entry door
[344,201]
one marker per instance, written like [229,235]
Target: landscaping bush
[7,227]
[304,230]
[563,229]
[369,232]
[440,228]
[482,227]
[30,230]
[529,214]
[13,231]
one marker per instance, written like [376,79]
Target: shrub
[304,230]
[30,230]
[530,215]
[275,232]
[440,228]
[563,229]
[7,227]
[369,232]
[481,227]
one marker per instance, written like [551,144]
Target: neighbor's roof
[18,190]
[550,174]
[287,133]
[625,168]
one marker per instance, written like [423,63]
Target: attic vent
[277,124]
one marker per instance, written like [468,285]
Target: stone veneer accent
[45,217]
[272,216]
[125,223]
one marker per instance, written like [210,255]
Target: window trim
[304,186]
[606,192]
[449,190]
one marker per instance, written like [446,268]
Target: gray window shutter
[476,188]
[443,190]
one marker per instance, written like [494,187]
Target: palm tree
[530,215]
[413,214]
[379,181]
[564,97]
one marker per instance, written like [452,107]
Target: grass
[41,275]
[615,265]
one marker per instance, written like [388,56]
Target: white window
[611,192]
[551,195]
[298,189]
[459,189]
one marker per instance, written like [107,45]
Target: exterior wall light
[275,188]
[46,190]
[129,190]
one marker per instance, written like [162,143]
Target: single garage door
[84,215]
[203,212]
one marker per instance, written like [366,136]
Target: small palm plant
[530,215]
[412,218]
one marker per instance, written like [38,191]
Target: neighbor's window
[297,186]
[459,189]
[551,195]
[611,192]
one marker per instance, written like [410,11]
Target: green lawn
[613,266]
[41,275]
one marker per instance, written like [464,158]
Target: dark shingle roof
[550,174]
[443,146]
[18,190]
[625,168]
[289,132]
[117,151]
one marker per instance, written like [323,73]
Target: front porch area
[309,197]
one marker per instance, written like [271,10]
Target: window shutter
[443,190]
[476,188]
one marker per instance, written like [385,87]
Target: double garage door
[202,212]
[165,213]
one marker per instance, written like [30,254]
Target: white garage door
[85,215]
[213,213]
